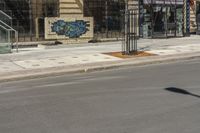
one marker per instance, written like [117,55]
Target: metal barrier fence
[28,17]
[129,45]
[107,16]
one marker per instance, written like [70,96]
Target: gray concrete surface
[42,59]
[131,100]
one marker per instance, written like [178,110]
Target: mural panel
[69,28]
[73,29]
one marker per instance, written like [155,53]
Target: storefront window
[162,18]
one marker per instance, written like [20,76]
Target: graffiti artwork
[71,29]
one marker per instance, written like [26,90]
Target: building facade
[156,18]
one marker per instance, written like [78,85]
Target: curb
[57,71]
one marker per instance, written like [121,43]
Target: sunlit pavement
[68,55]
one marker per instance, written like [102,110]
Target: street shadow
[181,91]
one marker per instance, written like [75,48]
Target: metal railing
[6,24]
[5,18]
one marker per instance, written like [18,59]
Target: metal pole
[9,36]
[132,26]
[135,31]
[184,16]
[11,32]
[106,18]
[16,39]
[165,19]
[126,26]
[123,31]
[30,19]
[175,34]
[188,17]
[152,20]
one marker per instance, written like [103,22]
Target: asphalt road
[162,98]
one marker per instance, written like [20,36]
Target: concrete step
[70,11]
[71,7]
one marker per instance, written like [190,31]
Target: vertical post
[18,28]
[139,15]
[186,17]
[132,26]
[8,33]
[135,31]
[9,38]
[128,32]
[37,28]
[45,7]
[106,13]
[152,19]
[11,23]
[126,27]
[17,40]
[165,19]
[30,19]
[175,19]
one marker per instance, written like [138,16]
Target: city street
[159,98]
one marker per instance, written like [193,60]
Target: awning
[167,2]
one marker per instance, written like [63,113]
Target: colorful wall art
[73,29]
[69,28]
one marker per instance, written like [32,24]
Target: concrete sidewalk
[54,60]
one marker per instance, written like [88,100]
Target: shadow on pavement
[181,91]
